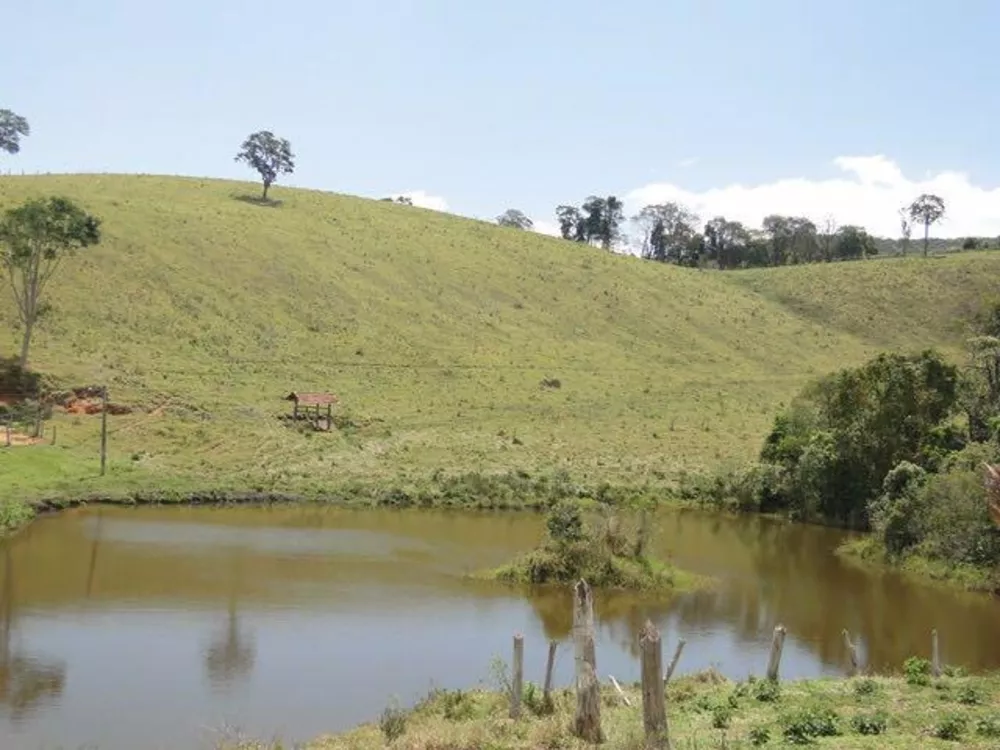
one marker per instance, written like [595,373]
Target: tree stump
[587,722]
[777,644]
[654,707]
[550,664]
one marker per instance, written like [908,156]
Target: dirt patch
[87,400]
[18,439]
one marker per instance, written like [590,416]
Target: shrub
[870,724]
[722,715]
[951,727]
[864,687]
[802,727]
[969,695]
[392,722]
[766,691]
[988,726]
[759,736]
[917,671]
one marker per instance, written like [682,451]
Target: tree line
[672,233]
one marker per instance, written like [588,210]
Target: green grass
[202,311]
[706,711]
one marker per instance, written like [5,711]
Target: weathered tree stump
[587,722]
[654,707]
[517,679]
[777,644]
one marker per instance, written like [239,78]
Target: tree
[927,209]
[905,228]
[12,128]
[571,225]
[726,242]
[827,237]
[514,218]
[269,155]
[34,239]
[853,242]
[669,233]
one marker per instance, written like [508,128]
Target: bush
[917,671]
[766,691]
[865,687]
[969,695]
[759,736]
[802,727]
[392,722]
[870,724]
[988,726]
[722,715]
[951,727]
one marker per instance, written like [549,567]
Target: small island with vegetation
[609,551]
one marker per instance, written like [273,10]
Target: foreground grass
[867,551]
[455,346]
[707,711]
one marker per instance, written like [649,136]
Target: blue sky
[481,106]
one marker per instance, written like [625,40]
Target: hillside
[202,311]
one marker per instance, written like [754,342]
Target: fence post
[517,680]
[673,662]
[587,722]
[654,707]
[935,654]
[8,430]
[104,429]
[53,434]
[550,664]
[777,644]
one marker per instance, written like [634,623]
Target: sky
[741,108]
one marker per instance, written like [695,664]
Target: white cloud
[869,194]
[542,226]
[689,162]
[424,200]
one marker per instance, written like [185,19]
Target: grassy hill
[202,310]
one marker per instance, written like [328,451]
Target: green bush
[759,736]
[802,727]
[917,671]
[392,722]
[988,726]
[951,727]
[722,715]
[969,695]
[865,687]
[766,691]
[870,724]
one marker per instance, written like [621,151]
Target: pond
[165,627]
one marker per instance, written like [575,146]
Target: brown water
[157,628]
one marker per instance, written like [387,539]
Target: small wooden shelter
[311,406]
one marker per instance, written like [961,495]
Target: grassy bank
[455,346]
[867,551]
[706,711]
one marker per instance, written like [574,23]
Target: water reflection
[26,681]
[230,656]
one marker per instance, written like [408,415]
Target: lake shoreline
[889,711]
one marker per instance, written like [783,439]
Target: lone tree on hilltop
[269,155]
[12,128]
[926,210]
[514,218]
[34,239]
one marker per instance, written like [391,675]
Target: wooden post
[774,661]
[517,681]
[550,664]
[673,662]
[53,434]
[583,626]
[295,410]
[38,420]
[654,706]
[935,654]
[587,722]
[329,417]
[104,429]
[8,430]
[852,653]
